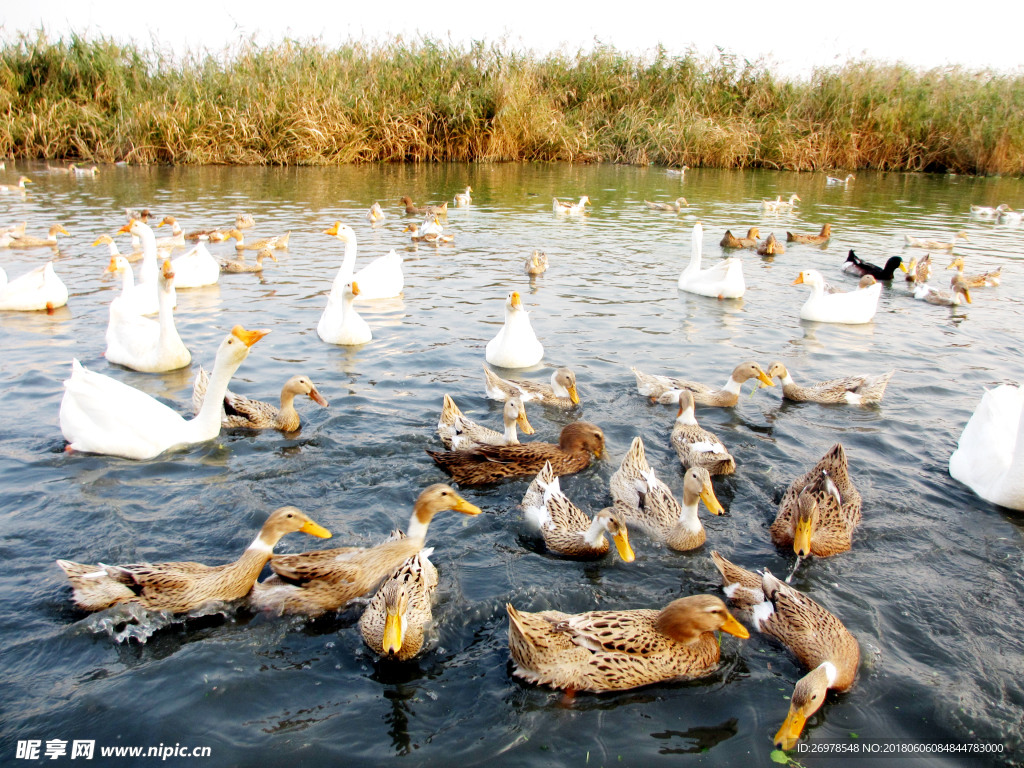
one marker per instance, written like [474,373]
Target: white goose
[723,281]
[989,457]
[340,323]
[101,415]
[148,290]
[142,344]
[196,268]
[851,308]
[38,289]
[382,278]
[516,344]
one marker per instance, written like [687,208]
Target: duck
[854,265]
[667,390]
[99,414]
[677,171]
[536,264]
[818,639]
[29,241]
[382,278]
[645,502]
[987,212]
[936,245]
[14,230]
[1012,218]
[771,247]
[831,181]
[982,280]
[394,622]
[989,456]
[954,298]
[176,238]
[618,650]
[340,323]
[114,251]
[571,208]
[35,290]
[277,243]
[58,169]
[131,214]
[239,264]
[18,188]
[412,209]
[675,207]
[375,214]
[729,240]
[313,583]
[184,586]
[145,296]
[561,393]
[244,221]
[142,344]
[214,235]
[458,433]
[820,509]
[565,528]
[919,271]
[865,282]
[490,463]
[822,237]
[239,412]
[434,238]
[722,281]
[464,198]
[515,345]
[431,225]
[852,390]
[850,308]
[93,171]
[696,447]
[779,204]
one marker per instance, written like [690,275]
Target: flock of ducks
[592,651]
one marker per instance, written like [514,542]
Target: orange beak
[248,337]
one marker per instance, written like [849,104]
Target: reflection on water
[931,587]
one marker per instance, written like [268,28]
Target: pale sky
[795,34]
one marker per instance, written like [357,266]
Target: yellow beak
[392,642]
[707,495]
[799,279]
[524,424]
[99,240]
[167,269]
[111,267]
[517,302]
[573,395]
[967,295]
[315,530]
[355,288]
[333,230]
[791,729]
[621,540]
[62,230]
[126,228]
[463,506]
[904,267]
[802,538]
[765,379]
[733,627]
[248,337]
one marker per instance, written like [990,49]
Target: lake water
[932,587]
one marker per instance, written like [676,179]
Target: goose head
[343,232]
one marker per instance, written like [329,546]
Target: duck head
[611,522]
[808,696]
[697,485]
[686,619]
[582,436]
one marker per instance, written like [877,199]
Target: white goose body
[851,308]
[340,323]
[516,345]
[989,458]
[724,280]
[382,278]
[142,344]
[147,293]
[196,268]
[35,290]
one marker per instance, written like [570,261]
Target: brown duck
[695,446]
[750,241]
[392,624]
[411,208]
[240,412]
[771,247]
[490,463]
[822,237]
[853,390]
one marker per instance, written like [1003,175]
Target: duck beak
[573,395]
[248,337]
[733,627]
[333,230]
[802,538]
[517,302]
[392,642]
[463,506]
[799,279]
[317,398]
[707,495]
[791,729]
[62,230]
[524,424]
[764,378]
[951,264]
[904,267]
[621,540]
[315,530]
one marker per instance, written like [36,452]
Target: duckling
[565,528]
[276,243]
[536,264]
[411,208]
[666,391]
[562,392]
[643,501]
[982,280]
[832,181]
[239,264]
[854,265]
[919,271]
[19,187]
[376,213]
[28,241]
[184,586]
[239,412]
[675,207]
[822,237]
[458,433]
[771,247]
[936,245]
[695,446]
[854,390]
[571,208]
[393,623]
[464,198]
[750,241]
[490,463]
[954,298]
[312,583]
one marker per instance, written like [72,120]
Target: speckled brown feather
[821,237]
[743,587]
[527,391]
[418,576]
[683,438]
[565,531]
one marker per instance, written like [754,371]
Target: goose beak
[355,288]
[392,642]
[733,627]
[248,337]
[126,228]
[333,230]
[517,302]
[791,729]
[799,279]
[111,267]
[573,394]
[463,506]
[167,269]
[621,540]
[315,530]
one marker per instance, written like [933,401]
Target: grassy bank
[304,103]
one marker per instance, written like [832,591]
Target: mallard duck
[982,280]
[139,343]
[458,433]
[412,209]
[184,586]
[239,412]
[490,463]
[919,271]
[393,623]
[434,238]
[28,241]
[571,208]
[778,204]
[816,637]
[619,650]
[19,187]
[695,446]
[375,214]
[382,278]
[831,181]
[820,509]
[722,281]
[515,345]
[464,198]
[101,415]
[666,390]
[643,501]
[562,392]
[989,457]
[850,308]
[677,171]
[854,265]
[771,247]
[239,264]
[35,290]
[326,580]
[340,323]
[953,298]
[566,530]
[936,245]
[536,264]
[854,390]
[729,240]
[822,237]
[672,207]
[987,212]
[277,243]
